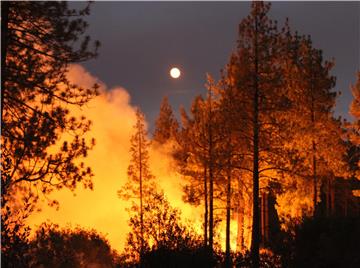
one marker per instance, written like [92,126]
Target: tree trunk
[314,178]
[240,221]
[228,211]
[206,214]
[4,44]
[255,235]
[211,208]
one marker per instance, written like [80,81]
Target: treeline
[266,127]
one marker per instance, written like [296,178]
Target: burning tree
[256,75]
[140,184]
[197,157]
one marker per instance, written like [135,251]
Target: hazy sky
[142,40]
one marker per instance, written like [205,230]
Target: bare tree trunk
[240,221]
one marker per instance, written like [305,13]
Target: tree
[197,156]
[166,125]
[39,41]
[230,157]
[140,184]
[317,135]
[190,159]
[254,71]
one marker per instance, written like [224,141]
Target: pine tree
[316,133]
[166,126]
[190,159]
[38,42]
[254,71]
[197,156]
[140,184]
[230,155]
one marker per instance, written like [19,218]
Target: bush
[328,242]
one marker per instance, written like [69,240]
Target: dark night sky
[142,40]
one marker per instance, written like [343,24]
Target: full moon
[175,73]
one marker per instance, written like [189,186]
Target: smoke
[112,118]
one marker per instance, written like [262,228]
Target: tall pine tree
[254,73]
[140,184]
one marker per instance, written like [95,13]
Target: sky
[141,41]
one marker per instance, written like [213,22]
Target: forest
[273,174]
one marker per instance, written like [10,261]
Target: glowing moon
[175,73]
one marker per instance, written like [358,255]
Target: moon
[175,73]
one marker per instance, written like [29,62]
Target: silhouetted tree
[15,237]
[39,41]
[256,75]
[230,157]
[140,184]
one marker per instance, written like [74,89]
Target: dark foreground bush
[328,242]
[57,247]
